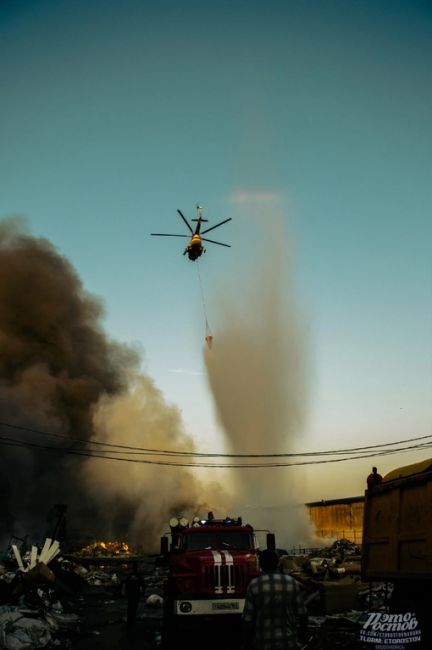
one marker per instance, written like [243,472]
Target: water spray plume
[257,375]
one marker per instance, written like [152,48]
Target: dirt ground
[102,611]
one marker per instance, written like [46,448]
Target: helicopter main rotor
[195,247]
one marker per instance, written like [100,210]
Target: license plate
[225,606]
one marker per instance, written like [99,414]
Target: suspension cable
[207,326]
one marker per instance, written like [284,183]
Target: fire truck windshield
[234,539]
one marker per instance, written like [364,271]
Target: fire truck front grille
[225,578]
[239,577]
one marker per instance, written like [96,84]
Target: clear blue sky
[115,113]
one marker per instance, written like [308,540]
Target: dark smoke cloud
[57,367]
[56,359]
[55,364]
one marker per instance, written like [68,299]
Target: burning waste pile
[89,563]
[107,549]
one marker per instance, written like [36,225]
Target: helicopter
[195,247]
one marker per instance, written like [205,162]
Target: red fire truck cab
[210,564]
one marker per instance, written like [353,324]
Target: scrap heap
[337,599]
[36,600]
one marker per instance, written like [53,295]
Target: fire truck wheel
[169,628]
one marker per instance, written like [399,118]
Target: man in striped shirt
[274,607]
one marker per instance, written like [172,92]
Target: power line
[141,453]
[165,452]
[10,442]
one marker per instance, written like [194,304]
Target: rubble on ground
[66,602]
[331,578]
[62,601]
[154,600]
[19,632]
[336,598]
[36,609]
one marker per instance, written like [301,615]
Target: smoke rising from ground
[59,372]
[257,374]
[157,492]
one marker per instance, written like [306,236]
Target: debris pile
[33,559]
[50,600]
[97,578]
[331,577]
[341,559]
[18,632]
[37,600]
[336,598]
[376,596]
[341,548]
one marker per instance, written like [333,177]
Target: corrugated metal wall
[338,520]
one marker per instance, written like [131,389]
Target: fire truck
[210,564]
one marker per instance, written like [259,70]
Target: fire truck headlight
[174,522]
[183,522]
[252,561]
[185,607]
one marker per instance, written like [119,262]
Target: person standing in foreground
[134,587]
[274,607]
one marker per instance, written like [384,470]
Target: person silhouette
[373,479]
